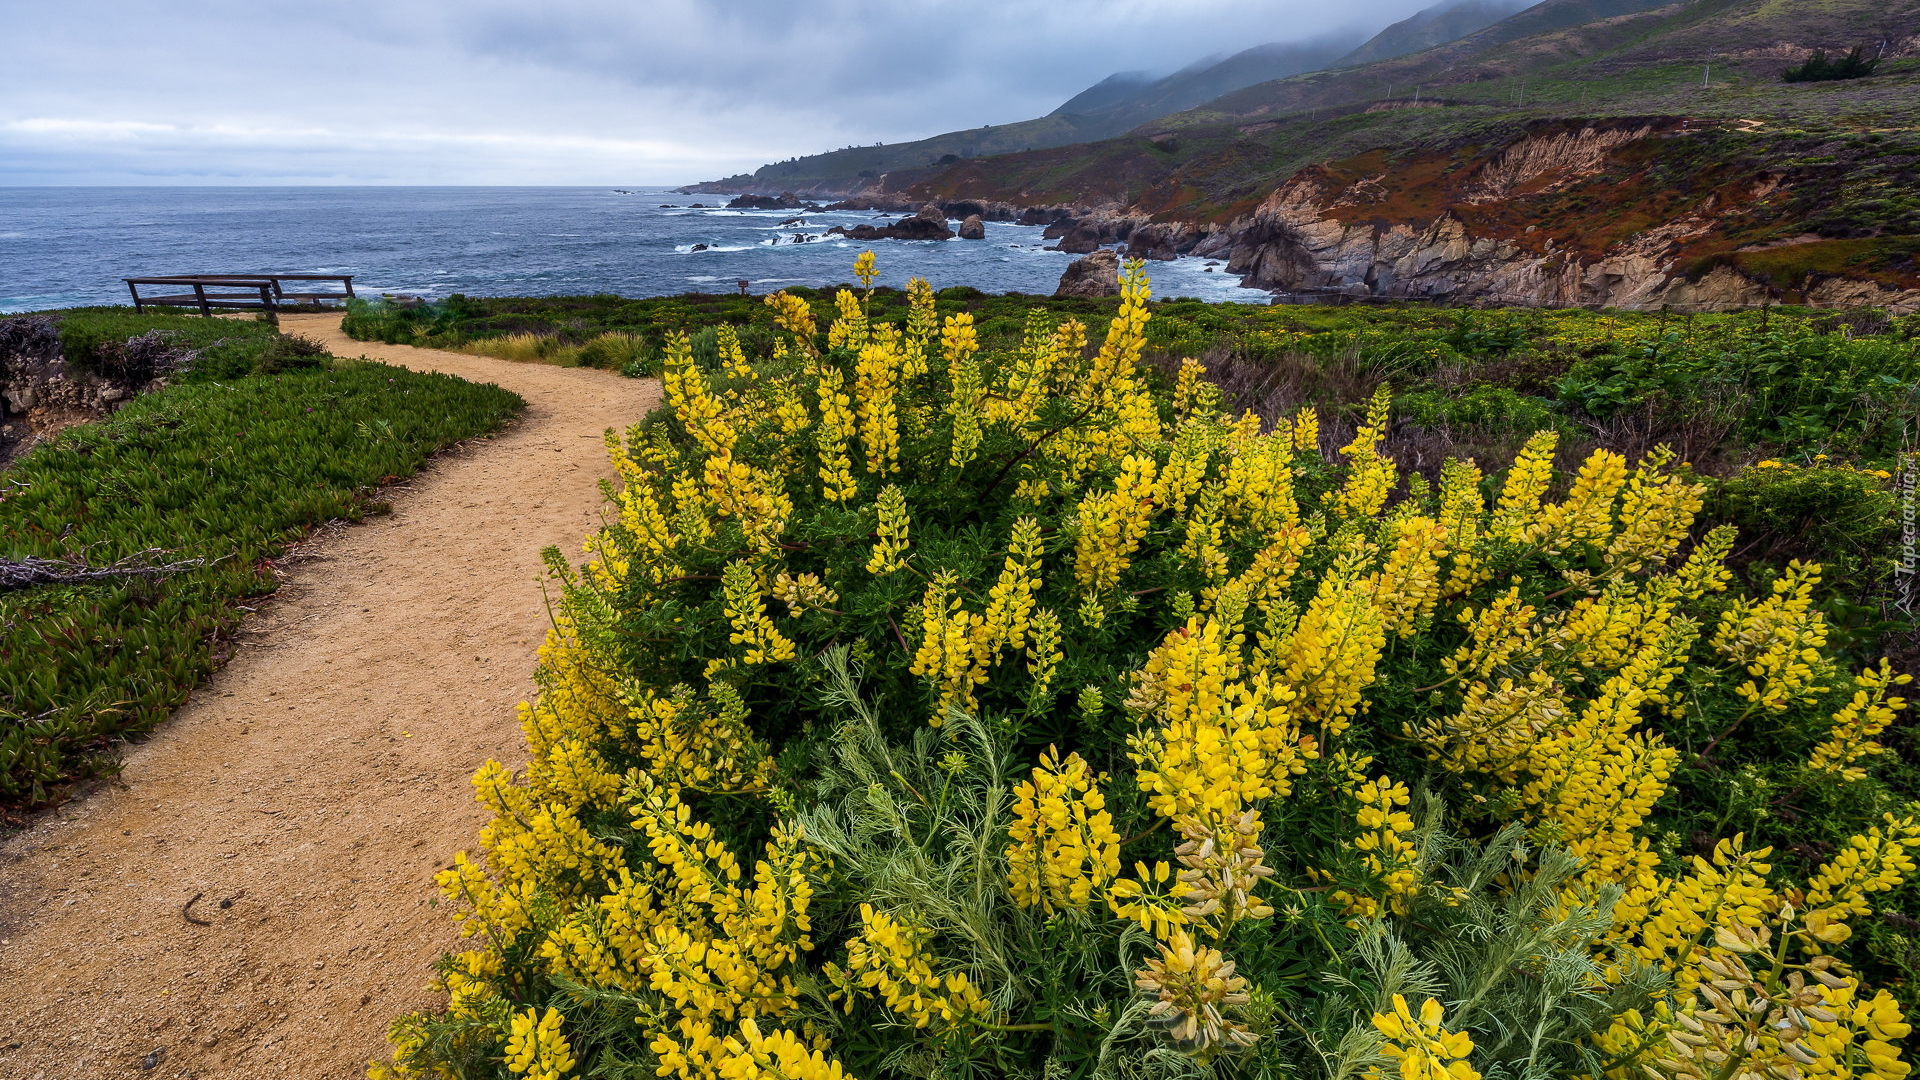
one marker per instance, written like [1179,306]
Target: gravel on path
[252,897]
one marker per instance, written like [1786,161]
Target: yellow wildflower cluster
[1191,987]
[1777,640]
[535,1047]
[1064,847]
[1390,857]
[1421,1047]
[890,957]
[1858,722]
[1215,624]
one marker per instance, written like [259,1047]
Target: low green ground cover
[228,471]
[96,339]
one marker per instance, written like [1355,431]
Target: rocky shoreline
[1460,233]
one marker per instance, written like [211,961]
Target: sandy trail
[318,781]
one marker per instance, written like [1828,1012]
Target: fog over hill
[1126,100]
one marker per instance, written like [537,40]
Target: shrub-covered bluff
[931,709]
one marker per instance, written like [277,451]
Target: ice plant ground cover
[224,467]
[925,710]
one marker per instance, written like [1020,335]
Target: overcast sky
[566,91]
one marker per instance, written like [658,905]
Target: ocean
[66,247]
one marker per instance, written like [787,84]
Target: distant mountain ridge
[1119,103]
[1436,25]
[1647,156]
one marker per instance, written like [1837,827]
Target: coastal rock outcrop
[1082,239]
[1335,230]
[42,393]
[1093,276]
[973,228]
[1163,240]
[928,224]
[787,200]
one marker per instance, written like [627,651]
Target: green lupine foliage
[228,472]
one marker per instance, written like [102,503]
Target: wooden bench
[263,292]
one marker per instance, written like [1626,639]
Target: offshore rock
[1084,238]
[928,224]
[1162,240]
[973,228]
[786,201]
[1094,276]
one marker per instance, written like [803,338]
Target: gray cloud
[569,91]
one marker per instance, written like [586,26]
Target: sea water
[65,247]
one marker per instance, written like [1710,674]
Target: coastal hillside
[1129,99]
[1123,101]
[1641,158]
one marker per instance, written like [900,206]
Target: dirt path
[317,782]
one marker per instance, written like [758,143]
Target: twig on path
[186,911]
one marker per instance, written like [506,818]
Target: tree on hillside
[1820,69]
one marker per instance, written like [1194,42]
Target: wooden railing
[264,292]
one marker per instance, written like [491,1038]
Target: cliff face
[1596,214]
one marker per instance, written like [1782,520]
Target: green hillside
[1653,64]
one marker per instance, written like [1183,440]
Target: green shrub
[122,343]
[1818,68]
[1494,410]
[1832,514]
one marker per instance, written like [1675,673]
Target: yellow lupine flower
[535,1047]
[951,653]
[1526,485]
[794,316]
[693,403]
[1064,847]
[890,959]
[1388,855]
[1010,604]
[1656,510]
[1463,517]
[1855,725]
[1422,1048]
[850,328]
[1334,651]
[1876,861]
[1223,742]
[1304,433]
[1407,588]
[1586,515]
[835,431]
[1370,474]
[892,526]
[1043,654]
[780,1055]
[876,381]
[1777,640]
[746,613]
[1110,525]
